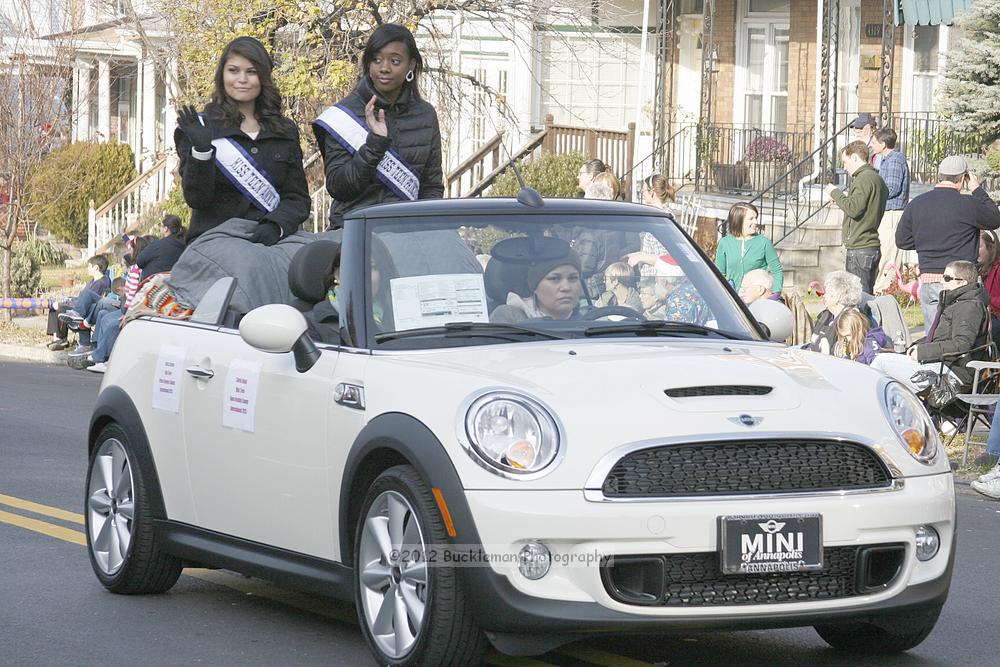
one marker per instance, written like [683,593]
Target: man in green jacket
[863,206]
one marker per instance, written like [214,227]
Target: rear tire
[412,612]
[889,634]
[119,519]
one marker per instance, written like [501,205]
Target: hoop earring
[410,76]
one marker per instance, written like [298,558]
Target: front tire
[413,612]
[890,634]
[119,520]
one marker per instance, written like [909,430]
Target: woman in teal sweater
[743,249]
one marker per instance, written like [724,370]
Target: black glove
[190,124]
[267,232]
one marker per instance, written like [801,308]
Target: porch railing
[124,209]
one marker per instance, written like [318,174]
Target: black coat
[962,326]
[413,133]
[214,199]
[158,256]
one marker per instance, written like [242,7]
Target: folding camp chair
[982,401]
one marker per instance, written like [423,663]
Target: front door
[256,434]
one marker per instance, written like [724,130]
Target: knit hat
[539,269]
[953,165]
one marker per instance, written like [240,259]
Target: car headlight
[910,421]
[513,435]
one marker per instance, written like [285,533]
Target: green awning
[929,12]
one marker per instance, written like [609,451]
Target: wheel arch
[393,439]
[115,406]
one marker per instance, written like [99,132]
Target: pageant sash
[244,173]
[351,133]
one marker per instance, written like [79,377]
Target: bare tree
[35,93]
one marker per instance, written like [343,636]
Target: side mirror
[279,329]
[777,320]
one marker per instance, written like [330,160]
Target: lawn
[53,278]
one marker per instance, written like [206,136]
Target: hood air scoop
[718,390]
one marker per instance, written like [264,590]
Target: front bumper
[572,597]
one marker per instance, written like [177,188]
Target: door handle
[201,373]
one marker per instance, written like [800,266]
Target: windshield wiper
[488,329]
[658,328]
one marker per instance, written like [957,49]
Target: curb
[29,353]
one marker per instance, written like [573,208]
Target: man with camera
[943,226]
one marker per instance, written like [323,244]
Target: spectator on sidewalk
[161,255]
[863,206]
[989,484]
[863,129]
[757,284]
[743,249]
[960,326]
[989,271]
[895,174]
[943,226]
[87,310]
[657,192]
[857,338]
[842,292]
[97,267]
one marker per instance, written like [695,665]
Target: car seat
[308,271]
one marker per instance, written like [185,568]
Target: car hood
[608,393]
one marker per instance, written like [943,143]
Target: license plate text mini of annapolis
[764,543]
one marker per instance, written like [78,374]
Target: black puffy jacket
[160,255]
[214,199]
[962,326]
[413,133]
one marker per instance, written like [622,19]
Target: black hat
[862,120]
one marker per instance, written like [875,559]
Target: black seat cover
[307,272]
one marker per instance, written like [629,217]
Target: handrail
[534,142]
[134,185]
[473,159]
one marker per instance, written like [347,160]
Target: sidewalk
[31,352]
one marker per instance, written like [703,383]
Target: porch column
[103,99]
[147,112]
[81,100]
[888,56]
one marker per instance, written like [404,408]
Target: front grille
[745,467]
[718,390]
[695,579]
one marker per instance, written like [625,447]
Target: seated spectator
[555,295]
[843,292]
[757,284]
[91,307]
[621,284]
[669,295]
[960,326]
[989,271]
[108,325]
[857,339]
[161,255]
[99,284]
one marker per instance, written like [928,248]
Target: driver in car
[556,293]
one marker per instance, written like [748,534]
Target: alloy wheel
[393,574]
[111,506]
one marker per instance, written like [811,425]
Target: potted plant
[767,159]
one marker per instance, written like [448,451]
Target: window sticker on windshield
[167,378]
[428,301]
[240,397]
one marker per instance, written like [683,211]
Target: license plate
[763,543]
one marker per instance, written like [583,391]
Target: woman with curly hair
[241,157]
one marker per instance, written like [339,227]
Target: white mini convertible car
[591,434]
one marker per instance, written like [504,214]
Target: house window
[768,6]
[692,7]
[926,40]
[765,86]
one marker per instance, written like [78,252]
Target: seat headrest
[309,269]
[501,278]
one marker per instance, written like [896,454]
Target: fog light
[928,543]
[534,560]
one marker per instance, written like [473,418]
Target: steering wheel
[607,311]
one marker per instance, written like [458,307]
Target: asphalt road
[54,612]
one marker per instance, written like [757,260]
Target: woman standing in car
[382,142]
[241,158]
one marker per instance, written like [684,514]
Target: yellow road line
[52,530]
[38,508]
[601,657]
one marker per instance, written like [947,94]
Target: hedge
[60,189]
[552,175]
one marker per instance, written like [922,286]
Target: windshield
[453,281]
